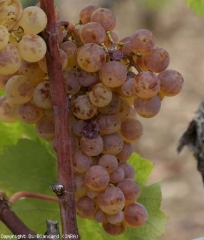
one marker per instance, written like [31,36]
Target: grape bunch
[108,80]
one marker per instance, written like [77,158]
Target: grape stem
[19,195]
[64,188]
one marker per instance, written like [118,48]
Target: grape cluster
[109,81]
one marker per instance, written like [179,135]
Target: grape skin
[45,128]
[71,80]
[135,215]
[115,218]
[105,17]
[41,95]
[113,107]
[147,107]
[91,57]
[85,207]
[130,190]
[171,82]
[142,41]
[97,178]
[113,74]
[157,61]
[83,108]
[81,162]
[30,113]
[146,84]
[112,144]
[80,186]
[87,79]
[10,59]
[100,216]
[4,36]
[111,200]
[92,32]
[33,20]
[117,176]
[91,146]
[109,162]
[129,171]
[32,71]
[4,79]
[125,153]
[32,48]
[114,229]
[100,95]
[131,129]
[70,49]
[8,110]
[108,124]
[85,13]
[19,89]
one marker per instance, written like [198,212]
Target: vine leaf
[10,133]
[197,6]
[142,166]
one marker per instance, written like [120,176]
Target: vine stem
[64,188]
[19,195]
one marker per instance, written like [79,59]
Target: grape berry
[108,81]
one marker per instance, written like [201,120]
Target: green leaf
[142,166]
[11,133]
[197,6]
[27,166]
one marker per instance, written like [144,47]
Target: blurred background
[178,30]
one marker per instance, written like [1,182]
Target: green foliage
[29,165]
[197,6]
